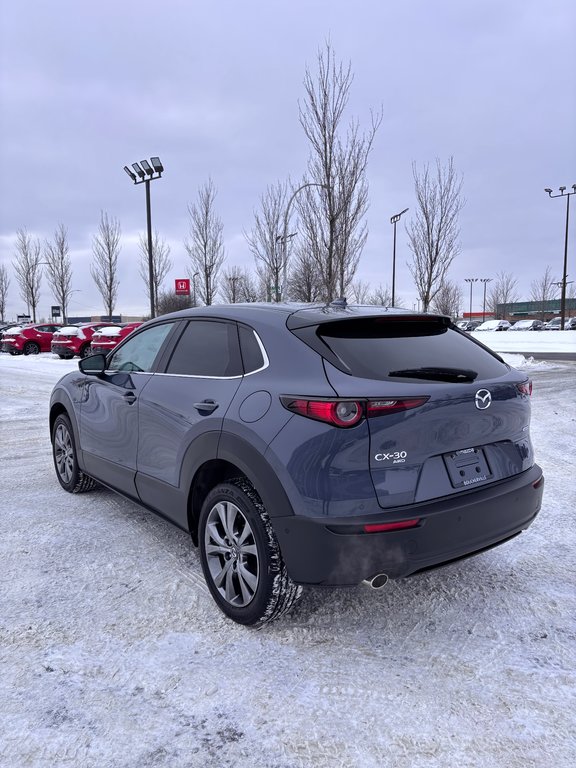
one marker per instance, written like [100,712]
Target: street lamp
[285,237]
[471,280]
[144,173]
[483,280]
[394,220]
[565,270]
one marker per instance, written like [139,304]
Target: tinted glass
[207,348]
[376,348]
[252,356]
[139,352]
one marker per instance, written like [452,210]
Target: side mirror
[93,365]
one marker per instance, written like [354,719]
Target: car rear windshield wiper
[437,374]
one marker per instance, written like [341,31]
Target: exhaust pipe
[377,582]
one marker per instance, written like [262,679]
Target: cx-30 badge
[482,399]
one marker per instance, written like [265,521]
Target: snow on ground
[113,654]
[528,341]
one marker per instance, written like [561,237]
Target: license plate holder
[467,467]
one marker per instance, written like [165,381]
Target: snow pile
[522,363]
[529,341]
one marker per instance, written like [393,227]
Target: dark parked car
[305,444]
[29,339]
[468,325]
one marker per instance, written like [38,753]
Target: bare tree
[332,211]
[266,243]
[161,265]
[170,302]
[27,266]
[4,285]
[232,284]
[305,281]
[59,268]
[544,290]
[104,268]
[205,246]
[433,233]
[251,289]
[570,294]
[360,291]
[238,285]
[502,294]
[448,299]
[382,297]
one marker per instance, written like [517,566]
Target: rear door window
[207,348]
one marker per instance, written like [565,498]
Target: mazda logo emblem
[482,399]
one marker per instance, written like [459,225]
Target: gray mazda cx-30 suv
[305,444]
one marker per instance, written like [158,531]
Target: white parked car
[527,325]
[494,325]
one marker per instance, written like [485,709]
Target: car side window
[252,355]
[140,351]
[207,348]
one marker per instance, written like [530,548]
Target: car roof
[298,314]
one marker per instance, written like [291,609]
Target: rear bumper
[62,349]
[336,551]
[9,346]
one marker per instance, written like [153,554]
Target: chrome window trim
[264,356]
[196,376]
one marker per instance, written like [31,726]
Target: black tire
[31,348]
[69,475]
[240,556]
[85,351]
[65,357]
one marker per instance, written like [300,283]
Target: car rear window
[401,347]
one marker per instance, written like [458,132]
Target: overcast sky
[213,89]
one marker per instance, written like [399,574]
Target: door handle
[206,405]
[129,397]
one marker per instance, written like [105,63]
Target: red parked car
[73,340]
[29,339]
[108,337]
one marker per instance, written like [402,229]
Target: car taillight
[382,407]
[525,388]
[340,413]
[347,413]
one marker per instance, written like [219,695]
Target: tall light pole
[565,269]
[471,280]
[484,280]
[144,173]
[285,236]
[394,220]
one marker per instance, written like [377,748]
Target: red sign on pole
[182,287]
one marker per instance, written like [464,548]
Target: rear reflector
[400,525]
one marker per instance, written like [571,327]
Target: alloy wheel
[63,453]
[231,554]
